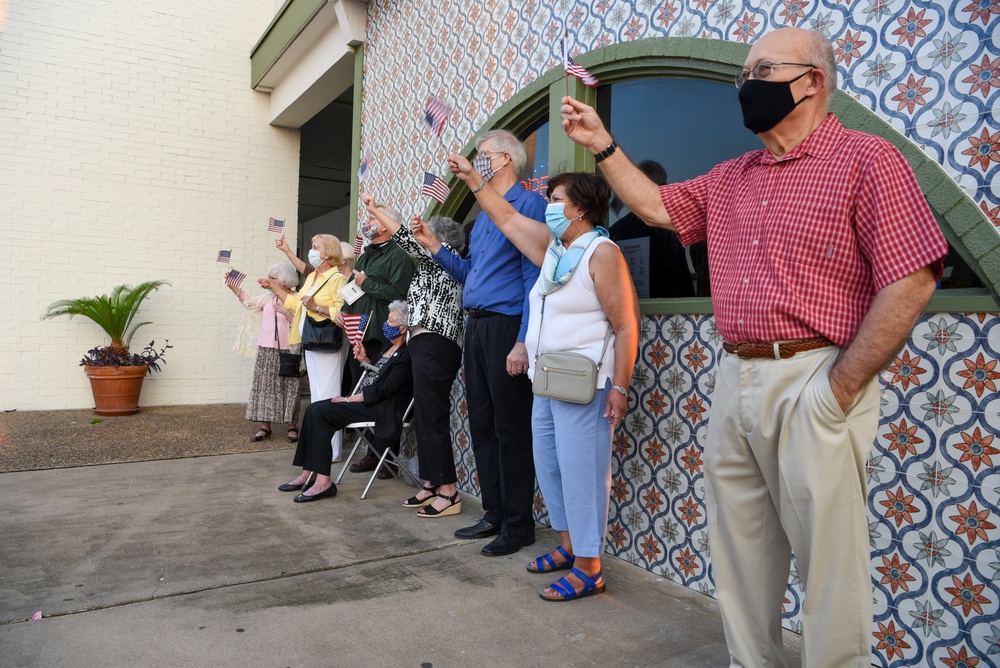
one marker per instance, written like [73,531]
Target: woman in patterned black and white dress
[437,326]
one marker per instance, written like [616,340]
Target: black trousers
[435,360]
[500,421]
[321,420]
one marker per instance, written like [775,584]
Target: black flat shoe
[329,492]
[261,435]
[293,435]
[289,487]
[482,529]
[506,544]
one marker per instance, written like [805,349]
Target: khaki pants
[786,472]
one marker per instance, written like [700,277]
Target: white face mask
[314,259]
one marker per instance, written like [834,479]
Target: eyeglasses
[762,70]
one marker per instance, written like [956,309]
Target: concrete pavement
[201,562]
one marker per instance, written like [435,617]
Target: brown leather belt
[778,350]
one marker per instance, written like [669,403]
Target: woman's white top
[574,320]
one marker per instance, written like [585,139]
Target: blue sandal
[566,591]
[546,564]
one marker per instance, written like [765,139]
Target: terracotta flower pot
[116,388]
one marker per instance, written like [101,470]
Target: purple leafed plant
[106,356]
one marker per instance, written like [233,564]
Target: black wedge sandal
[414,502]
[454,507]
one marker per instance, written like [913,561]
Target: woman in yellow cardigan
[320,296]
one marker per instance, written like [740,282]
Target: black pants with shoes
[500,422]
[321,420]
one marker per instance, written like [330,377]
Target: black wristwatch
[612,147]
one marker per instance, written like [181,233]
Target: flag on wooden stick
[435,187]
[572,68]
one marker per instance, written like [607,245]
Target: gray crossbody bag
[568,377]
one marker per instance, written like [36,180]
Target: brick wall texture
[132,148]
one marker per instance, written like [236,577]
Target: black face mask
[766,103]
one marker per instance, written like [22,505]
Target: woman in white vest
[590,308]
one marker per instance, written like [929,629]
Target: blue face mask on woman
[555,218]
[391,332]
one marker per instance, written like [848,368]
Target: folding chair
[362,430]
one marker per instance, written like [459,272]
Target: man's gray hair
[402,308]
[285,273]
[820,53]
[448,231]
[508,143]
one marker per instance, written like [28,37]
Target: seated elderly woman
[384,395]
[591,309]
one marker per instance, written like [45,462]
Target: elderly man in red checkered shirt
[822,253]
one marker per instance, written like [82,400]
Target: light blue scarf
[561,261]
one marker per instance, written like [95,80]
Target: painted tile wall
[932,70]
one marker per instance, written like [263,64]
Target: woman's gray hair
[508,143]
[403,309]
[285,273]
[448,231]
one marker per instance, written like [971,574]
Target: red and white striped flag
[224,256]
[435,114]
[359,244]
[354,326]
[580,73]
[275,225]
[234,278]
[435,187]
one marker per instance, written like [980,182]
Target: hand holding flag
[234,278]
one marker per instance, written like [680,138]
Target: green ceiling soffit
[287,23]
[962,222]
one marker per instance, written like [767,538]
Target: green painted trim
[287,23]
[964,225]
[564,154]
[359,75]
[686,305]
[962,301]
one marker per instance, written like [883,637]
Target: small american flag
[434,187]
[366,166]
[354,325]
[359,244]
[234,278]
[224,256]
[275,225]
[580,73]
[435,114]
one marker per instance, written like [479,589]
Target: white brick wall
[132,148]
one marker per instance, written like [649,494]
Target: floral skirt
[272,397]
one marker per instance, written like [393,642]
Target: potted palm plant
[115,372]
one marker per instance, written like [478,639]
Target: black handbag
[320,335]
[289,363]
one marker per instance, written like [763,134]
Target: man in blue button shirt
[497,279]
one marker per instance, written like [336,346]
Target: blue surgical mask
[555,218]
[391,332]
[314,259]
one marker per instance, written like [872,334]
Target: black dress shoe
[365,464]
[506,544]
[331,491]
[482,529]
[289,487]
